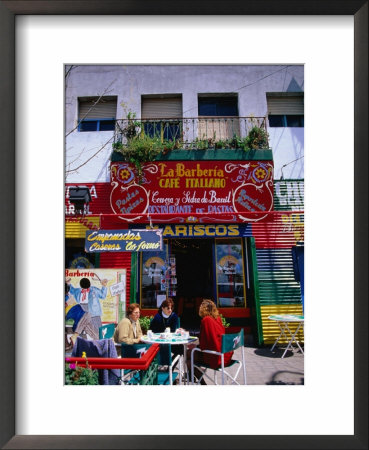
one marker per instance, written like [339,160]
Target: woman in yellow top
[129,329]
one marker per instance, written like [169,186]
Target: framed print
[31,355]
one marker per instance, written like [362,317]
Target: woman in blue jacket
[165,318]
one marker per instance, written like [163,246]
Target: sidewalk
[266,367]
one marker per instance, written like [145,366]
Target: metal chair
[167,364]
[132,376]
[107,331]
[230,342]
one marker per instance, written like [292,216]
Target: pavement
[264,367]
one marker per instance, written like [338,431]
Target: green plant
[224,321]
[133,127]
[117,146]
[77,375]
[201,144]
[221,144]
[141,149]
[170,145]
[256,139]
[145,323]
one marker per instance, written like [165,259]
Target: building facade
[210,155]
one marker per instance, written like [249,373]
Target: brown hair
[132,307]
[208,308]
[168,302]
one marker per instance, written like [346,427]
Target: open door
[194,268]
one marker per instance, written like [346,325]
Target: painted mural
[100,292]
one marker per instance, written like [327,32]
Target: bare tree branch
[89,159]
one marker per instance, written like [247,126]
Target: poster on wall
[100,291]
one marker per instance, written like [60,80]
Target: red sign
[99,204]
[193,191]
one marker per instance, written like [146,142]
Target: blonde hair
[208,308]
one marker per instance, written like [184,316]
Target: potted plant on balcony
[257,139]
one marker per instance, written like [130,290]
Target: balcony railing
[197,132]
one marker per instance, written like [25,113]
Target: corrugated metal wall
[76,227]
[277,283]
[278,291]
[282,230]
[271,329]
[289,195]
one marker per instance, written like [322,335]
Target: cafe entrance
[189,269]
[195,277]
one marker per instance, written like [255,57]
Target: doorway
[195,279]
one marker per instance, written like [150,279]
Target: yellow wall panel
[271,329]
[76,228]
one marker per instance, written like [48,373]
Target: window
[285,109]
[218,106]
[99,116]
[154,269]
[218,116]
[160,116]
[230,273]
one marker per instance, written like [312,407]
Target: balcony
[196,132]
[201,137]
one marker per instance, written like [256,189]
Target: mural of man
[89,298]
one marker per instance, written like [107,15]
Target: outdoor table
[283,320]
[174,339]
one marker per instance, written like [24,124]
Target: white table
[173,340]
[283,320]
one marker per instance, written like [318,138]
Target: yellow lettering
[168,231]
[233,230]
[181,229]
[199,230]
[221,230]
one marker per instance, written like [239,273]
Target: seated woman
[165,318]
[128,329]
[211,332]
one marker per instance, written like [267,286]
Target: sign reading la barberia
[193,191]
[123,241]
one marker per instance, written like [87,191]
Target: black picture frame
[8,10]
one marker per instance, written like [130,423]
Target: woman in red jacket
[211,331]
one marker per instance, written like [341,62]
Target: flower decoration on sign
[261,173]
[123,173]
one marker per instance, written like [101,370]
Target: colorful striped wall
[76,227]
[271,329]
[278,291]
[277,284]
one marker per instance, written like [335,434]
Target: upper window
[161,116]
[95,114]
[225,108]
[218,106]
[285,109]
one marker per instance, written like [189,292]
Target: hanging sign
[123,241]
[193,191]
